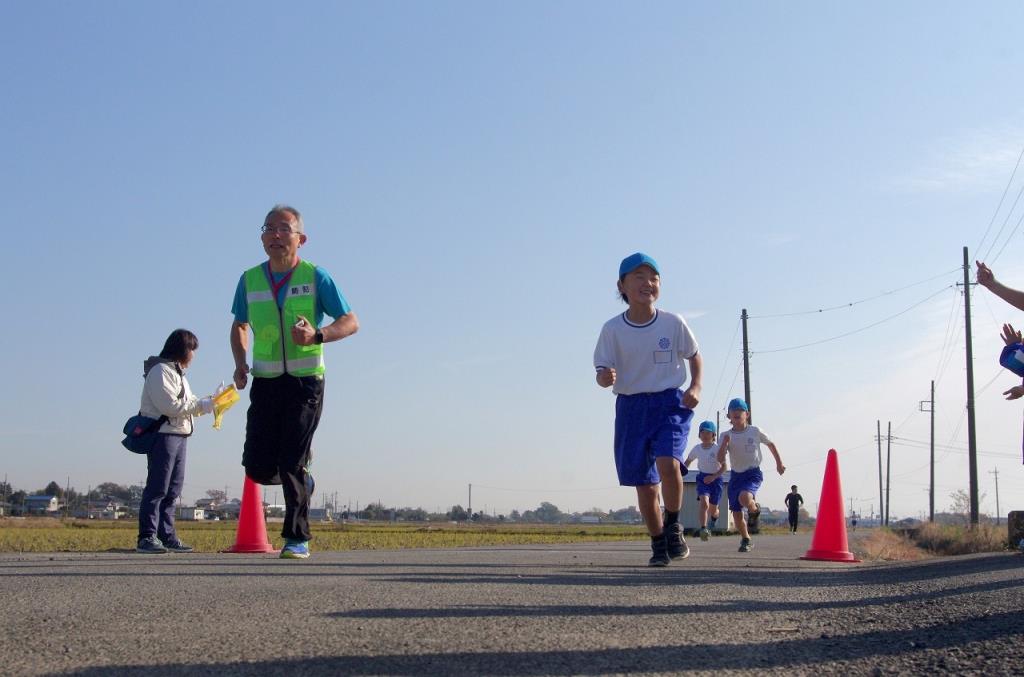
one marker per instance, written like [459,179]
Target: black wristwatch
[318,338]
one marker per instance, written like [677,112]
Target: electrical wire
[721,374]
[545,490]
[853,303]
[1000,205]
[1010,236]
[949,338]
[855,331]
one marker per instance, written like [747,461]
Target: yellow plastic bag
[222,402]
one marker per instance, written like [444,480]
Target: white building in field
[690,516]
[190,513]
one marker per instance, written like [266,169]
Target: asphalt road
[523,610]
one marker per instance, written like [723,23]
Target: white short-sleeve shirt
[707,459]
[745,447]
[647,358]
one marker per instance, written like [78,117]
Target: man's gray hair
[287,209]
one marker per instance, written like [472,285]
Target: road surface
[518,610]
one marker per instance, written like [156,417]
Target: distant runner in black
[793,502]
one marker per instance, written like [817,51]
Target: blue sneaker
[295,550]
[150,545]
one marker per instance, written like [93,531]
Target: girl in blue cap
[642,354]
[709,475]
[743,444]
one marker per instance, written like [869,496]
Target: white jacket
[162,396]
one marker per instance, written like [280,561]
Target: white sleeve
[692,455]
[686,341]
[163,387]
[762,438]
[604,353]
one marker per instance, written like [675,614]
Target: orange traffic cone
[252,529]
[829,542]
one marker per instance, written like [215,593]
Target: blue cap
[634,261]
[709,426]
[738,403]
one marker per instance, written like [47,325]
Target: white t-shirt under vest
[647,358]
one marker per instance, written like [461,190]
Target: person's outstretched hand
[1011,335]
[984,275]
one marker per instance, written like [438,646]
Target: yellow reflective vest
[274,352]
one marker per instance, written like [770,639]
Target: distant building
[320,515]
[191,513]
[690,516]
[590,519]
[102,508]
[41,505]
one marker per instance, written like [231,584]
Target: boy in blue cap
[743,444]
[643,354]
[709,475]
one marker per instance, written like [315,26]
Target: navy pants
[164,482]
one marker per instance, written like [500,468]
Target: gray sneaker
[704,534]
[177,546]
[746,545]
[150,545]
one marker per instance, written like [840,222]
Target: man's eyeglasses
[280,230]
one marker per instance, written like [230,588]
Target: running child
[743,445]
[643,354]
[709,475]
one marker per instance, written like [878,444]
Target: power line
[561,491]
[721,374]
[1010,236]
[855,331]
[949,338]
[853,303]
[1000,205]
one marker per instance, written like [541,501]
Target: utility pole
[972,445]
[881,500]
[746,366]
[996,473]
[888,471]
[931,483]
[471,502]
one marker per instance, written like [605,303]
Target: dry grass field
[52,535]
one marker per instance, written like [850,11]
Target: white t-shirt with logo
[646,358]
[745,447]
[707,459]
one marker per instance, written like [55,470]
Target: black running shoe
[659,552]
[677,548]
[753,518]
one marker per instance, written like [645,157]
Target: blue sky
[471,174]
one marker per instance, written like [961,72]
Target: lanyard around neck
[277,286]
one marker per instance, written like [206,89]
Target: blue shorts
[647,426]
[713,491]
[748,480]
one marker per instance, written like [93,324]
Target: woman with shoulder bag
[167,393]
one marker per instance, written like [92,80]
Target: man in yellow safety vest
[284,300]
